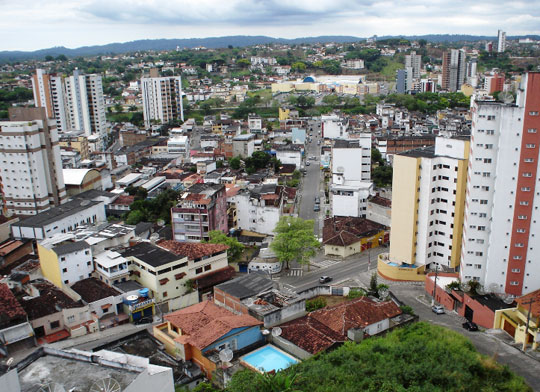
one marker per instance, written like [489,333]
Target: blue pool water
[269,358]
[400,265]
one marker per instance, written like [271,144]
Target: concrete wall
[379,214]
[161,381]
[244,337]
[291,312]
[289,347]
[374,329]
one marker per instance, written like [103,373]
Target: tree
[382,176]
[376,157]
[419,357]
[294,240]
[235,248]
[243,63]
[235,163]
[49,58]
[298,67]
[118,108]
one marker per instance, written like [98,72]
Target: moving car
[438,309]
[307,163]
[325,279]
[470,326]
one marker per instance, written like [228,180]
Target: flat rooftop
[57,213]
[150,254]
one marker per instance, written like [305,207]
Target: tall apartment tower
[85,103]
[31,167]
[501,44]
[499,247]
[428,202]
[162,99]
[49,94]
[414,62]
[454,69]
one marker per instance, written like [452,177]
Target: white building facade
[501,216]
[162,99]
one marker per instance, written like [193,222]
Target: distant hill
[216,42]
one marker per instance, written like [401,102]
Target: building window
[165,294]
[522,217]
[518,245]
[531,130]
[64,270]
[527,174]
[55,324]
[521,230]
[528,160]
[514,283]
[199,270]
[530,145]
[533,113]
[516,270]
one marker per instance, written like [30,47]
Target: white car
[438,309]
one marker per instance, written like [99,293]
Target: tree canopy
[419,357]
[294,240]
[235,248]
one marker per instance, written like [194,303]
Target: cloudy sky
[37,24]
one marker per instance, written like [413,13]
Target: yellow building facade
[428,204]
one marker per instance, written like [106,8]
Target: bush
[407,309]
[356,293]
[314,304]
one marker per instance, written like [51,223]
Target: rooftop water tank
[143,292]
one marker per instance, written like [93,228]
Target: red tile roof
[343,231]
[9,246]
[381,201]
[10,309]
[124,200]
[192,250]
[215,277]
[204,323]
[535,307]
[319,330]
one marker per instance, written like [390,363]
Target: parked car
[325,279]
[144,320]
[438,309]
[317,200]
[307,163]
[470,326]
[316,207]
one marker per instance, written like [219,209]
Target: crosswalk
[324,263]
[295,272]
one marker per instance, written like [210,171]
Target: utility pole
[435,285]
[528,302]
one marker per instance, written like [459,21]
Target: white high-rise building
[414,61]
[499,247]
[75,102]
[49,94]
[351,176]
[85,104]
[31,167]
[501,44]
[162,99]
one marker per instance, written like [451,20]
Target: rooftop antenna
[106,385]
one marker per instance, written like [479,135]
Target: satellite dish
[10,361]
[160,222]
[465,287]
[265,332]
[51,387]
[506,97]
[249,301]
[106,385]
[508,299]
[480,290]
[383,293]
[226,355]
[493,288]
[276,331]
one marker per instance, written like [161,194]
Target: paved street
[310,187]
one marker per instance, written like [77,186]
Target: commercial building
[499,249]
[454,69]
[61,219]
[201,209]
[428,201]
[413,62]
[162,99]
[31,167]
[243,145]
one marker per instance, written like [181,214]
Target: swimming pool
[401,265]
[268,358]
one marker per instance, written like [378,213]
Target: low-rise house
[346,236]
[326,328]
[12,251]
[56,316]
[81,180]
[104,302]
[15,330]
[199,332]
[121,205]
[522,321]
[289,154]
